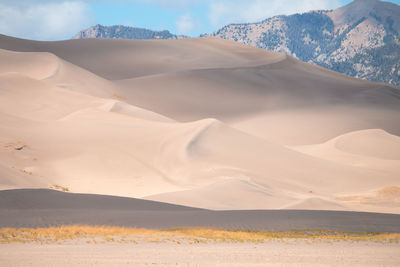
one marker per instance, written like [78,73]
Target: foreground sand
[299,253]
[119,246]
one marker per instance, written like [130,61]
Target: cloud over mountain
[46,20]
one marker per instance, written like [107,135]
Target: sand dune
[285,101]
[36,100]
[218,196]
[131,58]
[373,143]
[43,208]
[371,148]
[49,68]
[198,122]
[189,80]
[284,85]
[27,63]
[26,199]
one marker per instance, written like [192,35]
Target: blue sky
[55,20]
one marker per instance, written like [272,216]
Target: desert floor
[299,253]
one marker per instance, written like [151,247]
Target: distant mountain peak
[366,1]
[361,39]
[124,32]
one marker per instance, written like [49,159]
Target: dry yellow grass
[59,188]
[194,235]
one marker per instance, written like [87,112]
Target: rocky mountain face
[124,32]
[361,39]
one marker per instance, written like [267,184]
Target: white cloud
[44,20]
[223,12]
[171,4]
[163,3]
[185,24]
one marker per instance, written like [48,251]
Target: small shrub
[59,188]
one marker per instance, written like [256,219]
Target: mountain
[124,32]
[361,39]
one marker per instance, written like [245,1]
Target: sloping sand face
[34,208]
[201,122]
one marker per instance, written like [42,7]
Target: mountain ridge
[361,39]
[124,32]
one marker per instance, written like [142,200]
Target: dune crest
[27,64]
[374,143]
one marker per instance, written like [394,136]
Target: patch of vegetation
[94,234]
[59,188]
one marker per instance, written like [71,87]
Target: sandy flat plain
[271,253]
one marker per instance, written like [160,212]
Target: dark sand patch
[42,207]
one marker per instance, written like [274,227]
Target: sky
[61,19]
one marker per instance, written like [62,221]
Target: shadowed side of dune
[41,208]
[22,199]
[134,58]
